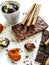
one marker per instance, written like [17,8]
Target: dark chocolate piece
[29,46]
[5,42]
[22,32]
[44,48]
[45,36]
[43,51]
[41,57]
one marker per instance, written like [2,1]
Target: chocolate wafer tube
[27,15]
[36,15]
[31,18]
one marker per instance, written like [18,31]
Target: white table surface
[24,7]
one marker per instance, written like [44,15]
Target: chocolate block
[47,49]
[44,48]
[41,57]
[45,36]
[22,32]
[43,52]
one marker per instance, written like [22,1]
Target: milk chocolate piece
[43,48]
[21,31]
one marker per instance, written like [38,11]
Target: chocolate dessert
[4,42]
[43,48]
[29,46]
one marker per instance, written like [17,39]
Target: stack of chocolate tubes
[31,24]
[43,52]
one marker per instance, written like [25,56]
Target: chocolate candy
[43,52]
[29,46]
[4,42]
[41,57]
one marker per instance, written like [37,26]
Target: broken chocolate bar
[43,48]
[41,57]
[21,31]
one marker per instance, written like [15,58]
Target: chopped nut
[36,41]
[7,50]
[24,13]
[47,61]
[47,41]
[1,40]
[19,40]
[27,64]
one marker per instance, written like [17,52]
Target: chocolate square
[43,51]
[45,36]
[41,57]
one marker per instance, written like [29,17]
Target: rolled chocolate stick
[31,18]
[47,42]
[36,15]
[27,15]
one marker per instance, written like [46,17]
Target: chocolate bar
[41,57]
[43,48]
[22,32]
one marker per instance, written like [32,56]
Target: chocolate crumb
[25,13]
[21,50]
[12,40]
[30,63]
[36,41]
[13,62]
[27,64]
[27,56]
[24,61]
[7,50]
